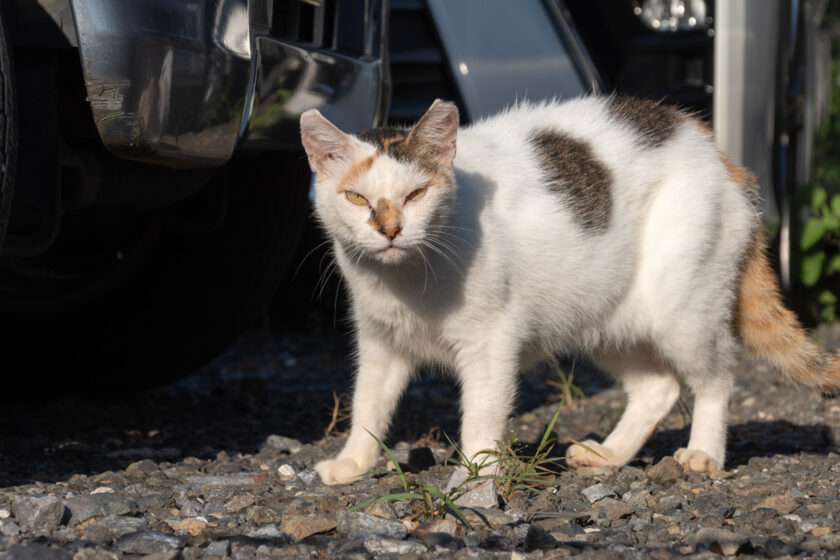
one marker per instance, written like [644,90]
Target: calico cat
[605,226]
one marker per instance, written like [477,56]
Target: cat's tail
[772,332]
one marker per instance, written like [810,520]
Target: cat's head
[382,192]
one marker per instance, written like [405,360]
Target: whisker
[303,260]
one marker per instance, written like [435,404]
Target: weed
[511,470]
[429,502]
[339,414]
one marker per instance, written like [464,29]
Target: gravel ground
[219,465]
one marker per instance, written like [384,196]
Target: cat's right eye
[355,198]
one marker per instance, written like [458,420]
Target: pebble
[35,552]
[38,512]
[487,517]
[299,527]
[149,542]
[238,502]
[356,524]
[217,549]
[782,504]
[113,527]
[270,531]
[781,490]
[446,525]
[386,545]
[83,508]
[442,540]
[281,444]
[719,541]
[614,509]
[666,471]
[478,494]
[286,472]
[192,525]
[597,492]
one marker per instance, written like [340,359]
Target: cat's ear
[435,133]
[324,143]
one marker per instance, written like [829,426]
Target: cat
[610,227]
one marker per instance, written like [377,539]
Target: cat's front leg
[488,386]
[381,378]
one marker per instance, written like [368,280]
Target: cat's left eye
[416,194]
[355,198]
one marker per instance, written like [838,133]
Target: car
[757,70]
[152,187]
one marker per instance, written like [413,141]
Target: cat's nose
[390,231]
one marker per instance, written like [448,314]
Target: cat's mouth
[391,253]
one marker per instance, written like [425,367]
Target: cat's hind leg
[381,379]
[652,389]
[707,443]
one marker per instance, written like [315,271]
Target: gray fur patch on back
[653,122]
[572,171]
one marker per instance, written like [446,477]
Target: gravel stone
[614,509]
[298,527]
[782,504]
[356,524]
[217,549]
[9,529]
[83,508]
[666,471]
[113,527]
[219,500]
[95,554]
[597,492]
[270,531]
[719,541]
[34,552]
[442,540]
[477,495]
[38,512]
[385,545]
[169,555]
[487,517]
[281,444]
[149,542]
[447,525]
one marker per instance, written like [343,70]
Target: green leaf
[394,462]
[818,197]
[835,205]
[833,265]
[812,232]
[827,298]
[811,268]
[450,504]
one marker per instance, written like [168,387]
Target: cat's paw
[339,471]
[695,460]
[590,454]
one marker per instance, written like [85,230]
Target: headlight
[673,15]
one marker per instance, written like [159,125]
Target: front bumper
[184,83]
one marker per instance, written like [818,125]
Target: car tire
[8,129]
[187,298]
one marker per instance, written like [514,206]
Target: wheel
[8,129]
[172,298]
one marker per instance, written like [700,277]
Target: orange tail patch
[772,332]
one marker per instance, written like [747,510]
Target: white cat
[611,227]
